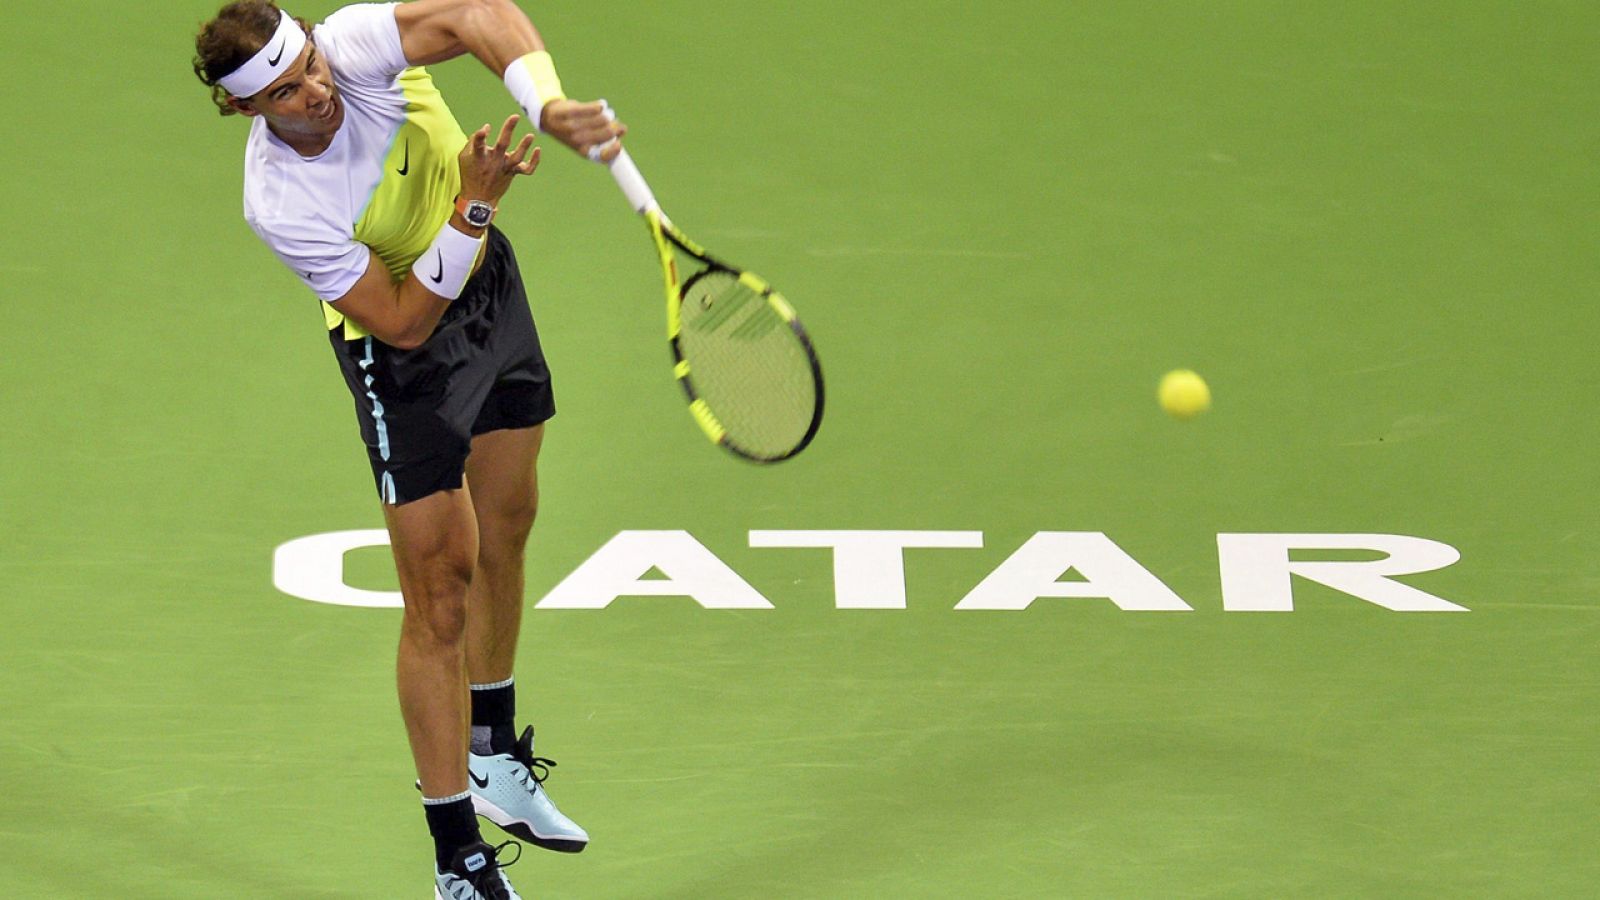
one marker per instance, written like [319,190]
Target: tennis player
[359,179]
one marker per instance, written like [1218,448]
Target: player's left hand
[590,129]
[487,171]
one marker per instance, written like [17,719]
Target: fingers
[585,135]
[509,160]
[582,124]
[522,150]
[605,152]
[532,162]
[572,113]
[488,171]
[506,131]
[605,136]
[590,128]
[598,138]
[585,111]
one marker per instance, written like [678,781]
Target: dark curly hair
[228,41]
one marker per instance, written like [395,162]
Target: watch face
[478,214]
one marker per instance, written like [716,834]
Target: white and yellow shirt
[388,181]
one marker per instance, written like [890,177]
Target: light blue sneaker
[508,790]
[474,874]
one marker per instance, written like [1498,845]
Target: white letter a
[1031,572]
[618,569]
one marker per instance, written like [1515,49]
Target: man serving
[358,179]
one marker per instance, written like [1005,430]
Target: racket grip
[633,184]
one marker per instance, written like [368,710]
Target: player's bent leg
[435,544]
[506,779]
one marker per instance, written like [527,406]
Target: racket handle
[633,184]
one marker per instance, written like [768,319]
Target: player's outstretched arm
[494,31]
[404,314]
[500,35]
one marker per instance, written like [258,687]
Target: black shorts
[482,370]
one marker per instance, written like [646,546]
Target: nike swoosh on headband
[260,70]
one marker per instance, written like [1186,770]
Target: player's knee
[503,532]
[437,618]
[507,550]
[436,598]
[442,625]
[447,579]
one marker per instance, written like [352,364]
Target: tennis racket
[741,355]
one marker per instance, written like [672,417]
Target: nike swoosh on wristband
[406,166]
[273,62]
[439,278]
[480,782]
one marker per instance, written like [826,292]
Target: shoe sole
[522,831]
[518,830]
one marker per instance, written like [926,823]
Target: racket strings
[747,363]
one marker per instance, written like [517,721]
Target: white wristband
[446,266]
[533,82]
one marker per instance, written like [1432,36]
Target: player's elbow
[399,327]
[401,333]
[410,339]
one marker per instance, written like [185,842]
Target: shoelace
[532,778]
[487,881]
[523,753]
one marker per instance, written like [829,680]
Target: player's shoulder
[358,17]
[362,42]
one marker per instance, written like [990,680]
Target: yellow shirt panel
[416,195]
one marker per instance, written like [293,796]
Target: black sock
[453,825]
[494,711]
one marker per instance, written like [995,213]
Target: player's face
[304,101]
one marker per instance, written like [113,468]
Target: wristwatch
[477,213]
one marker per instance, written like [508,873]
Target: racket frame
[666,237]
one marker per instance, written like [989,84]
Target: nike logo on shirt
[406,166]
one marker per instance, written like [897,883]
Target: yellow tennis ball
[1183,394]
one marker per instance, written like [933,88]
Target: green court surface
[1371,225]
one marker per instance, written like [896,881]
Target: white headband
[270,63]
